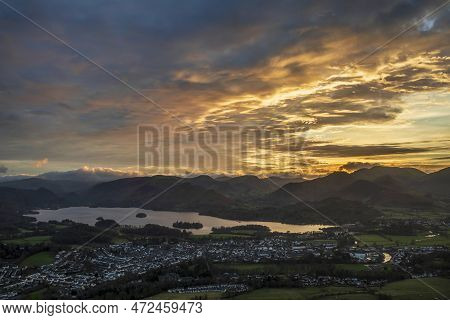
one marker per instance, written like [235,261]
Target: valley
[254,241]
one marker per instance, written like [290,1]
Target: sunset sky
[361,82]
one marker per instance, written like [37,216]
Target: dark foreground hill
[55,186]
[16,199]
[158,193]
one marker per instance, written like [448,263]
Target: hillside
[56,186]
[311,190]
[28,199]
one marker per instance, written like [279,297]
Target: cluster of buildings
[308,281]
[81,269]
[404,255]
[365,255]
[267,249]
[8,275]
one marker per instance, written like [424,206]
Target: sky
[352,84]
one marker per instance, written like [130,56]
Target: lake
[127,216]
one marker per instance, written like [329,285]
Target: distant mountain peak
[87,174]
[388,170]
[404,175]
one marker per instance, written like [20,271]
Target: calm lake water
[127,216]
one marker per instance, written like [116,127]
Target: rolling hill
[379,186]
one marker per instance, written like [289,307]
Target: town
[74,272]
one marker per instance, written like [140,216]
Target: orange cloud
[40,163]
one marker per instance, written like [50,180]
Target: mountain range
[344,197]
[380,186]
[86,174]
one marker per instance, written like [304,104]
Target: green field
[38,259]
[421,240]
[351,267]
[298,293]
[35,295]
[22,230]
[119,240]
[425,288]
[29,240]
[60,226]
[389,240]
[351,296]
[405,214]
[372,239]
[211,295]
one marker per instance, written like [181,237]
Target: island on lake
[187,225]
[141,215]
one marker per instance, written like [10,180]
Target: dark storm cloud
[103,120]
[375,114]
[400,11]
[364,90]
[157,37]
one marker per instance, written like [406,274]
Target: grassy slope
[388,240]
[35,295]
[405,289]
[29,240]
[38,259]
[297,294]
[187,296]
[351,267]
[427,288]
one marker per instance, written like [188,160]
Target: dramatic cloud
[40,163]
[353,166]
[89,174]
[331,150]
[315,67]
